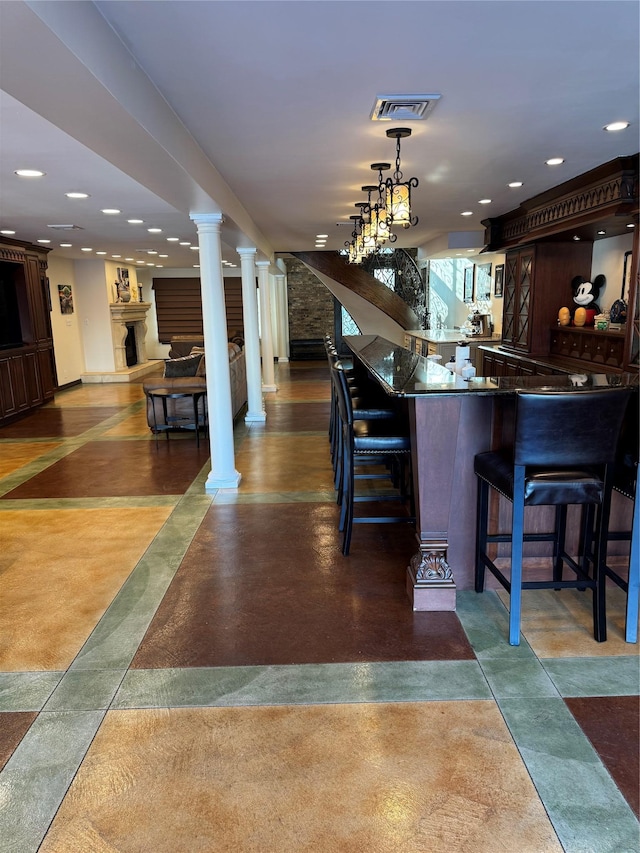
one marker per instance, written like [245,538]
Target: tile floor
[191,672]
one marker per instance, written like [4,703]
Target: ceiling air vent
[66,227]
[403,107]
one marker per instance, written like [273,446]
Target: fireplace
[129,330]
[130,350]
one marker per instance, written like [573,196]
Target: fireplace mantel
[124,314]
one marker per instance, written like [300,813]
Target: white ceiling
[261,110]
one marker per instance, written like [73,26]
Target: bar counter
[451,419]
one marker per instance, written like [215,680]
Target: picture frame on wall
[65,294]
[469,274]
[498,281]
[483,282]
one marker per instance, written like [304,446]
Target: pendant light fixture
[398,194]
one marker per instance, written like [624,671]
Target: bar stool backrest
[345,406]
[559,428]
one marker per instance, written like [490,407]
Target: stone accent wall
[310,303]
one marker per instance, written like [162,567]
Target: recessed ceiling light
[172,239]
[185,243]
[128,259]
[602,232]
[458,254]
[196,266]
[139,262]
[195,248]
[85,249]
[154,230]
[116,256]
[163,256]
[111,211]
[617,125]
[467,213]
[29,173]
[576,238]
[471,250]
[514,184]
[77,195]
[159,266]
[135,221]
[43,241]
[631,225]
[7,231]
[151,265]
[151,252]
[97,253]
[321,236]
[554,161]
[485,201]
[66,245]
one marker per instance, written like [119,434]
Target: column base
[222,481]
[255,417]
[267,389]
[430,588]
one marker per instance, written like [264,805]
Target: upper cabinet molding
[605,198]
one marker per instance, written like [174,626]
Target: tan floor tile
[560,624]
[281,463]
[60,570]
[99,394]
[14,456]
[135,425]
[429,777]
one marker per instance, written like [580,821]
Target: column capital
[214,220]
[263,264]
[248,250]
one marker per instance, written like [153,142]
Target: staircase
[405,305]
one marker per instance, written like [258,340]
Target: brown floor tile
[294,417]
[60,570]
[120,468]
[58,423]
[612,725]
[301,602]
[437,777]
[304,390]
[13,727]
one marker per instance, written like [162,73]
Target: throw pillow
[185,366]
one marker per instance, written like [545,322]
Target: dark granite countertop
[404,373]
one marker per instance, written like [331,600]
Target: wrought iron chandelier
[391,206]
[398,197]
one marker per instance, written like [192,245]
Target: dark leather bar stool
[625,482]
[368,402]
[372,442]
[564,451]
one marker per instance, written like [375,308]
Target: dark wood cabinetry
[537,284]
[548,241]
[27,362]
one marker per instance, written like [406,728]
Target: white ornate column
[255,400]
[283,318]
[268,375]
[223,474]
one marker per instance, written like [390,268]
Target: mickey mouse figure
[585,294]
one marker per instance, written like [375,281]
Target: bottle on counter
[468,370]
[451,364]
